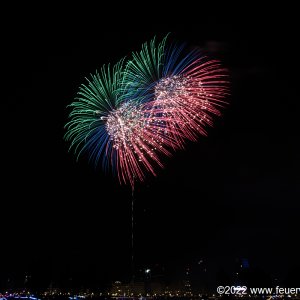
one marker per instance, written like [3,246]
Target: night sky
[233,194]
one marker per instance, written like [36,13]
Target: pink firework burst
[182,106]
[189,100]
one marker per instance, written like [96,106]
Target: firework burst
[123,134]
[129,116]
[188,89]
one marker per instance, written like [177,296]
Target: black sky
[233,194]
